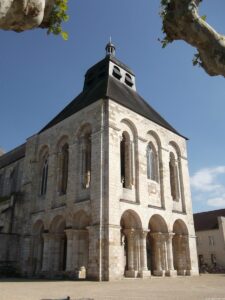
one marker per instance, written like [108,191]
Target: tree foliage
[181,21]
[57,16]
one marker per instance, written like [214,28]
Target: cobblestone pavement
[207,287]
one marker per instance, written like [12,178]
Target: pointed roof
[100,85]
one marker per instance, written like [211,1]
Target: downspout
[101,229]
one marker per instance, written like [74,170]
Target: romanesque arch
[126,161]
[62,150]
[81,220]
[43,169]
[84,137]
[128,123]
[129,159]
[58,244]
[80,241]
[155,136]
[176,177]
[83,130]
[132,240]
[37,246]
[181,251]
[154,168]
[156,245]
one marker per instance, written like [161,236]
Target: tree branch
[21,15]
[181,21]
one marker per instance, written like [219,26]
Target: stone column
[170,271]
[57,252]
[75,246]
[130,241]
[185,246]
[136,250]
[26,255]
[37,253]
[157,254]
[69,254]
[181,256]
[144,272]
[164,259]
[46,252]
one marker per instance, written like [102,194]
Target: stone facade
[110,220]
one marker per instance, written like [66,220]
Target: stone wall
[9,254]
[11,178]
[104,211]
[144,201]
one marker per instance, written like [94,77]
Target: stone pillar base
[131,273]
[171,273]
[192,273]
[144,274]
[181,272]
[81,273]
[158,272]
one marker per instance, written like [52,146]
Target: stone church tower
[102,191]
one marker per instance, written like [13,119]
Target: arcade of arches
[156,250]
[145,252]
[61,249]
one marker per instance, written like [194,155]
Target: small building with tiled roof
[210,232]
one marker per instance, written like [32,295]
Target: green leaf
[203,18]
[64,35]
[57,16]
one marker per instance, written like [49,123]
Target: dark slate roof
[105,61]
[12,156]
[99,85]
[207,220]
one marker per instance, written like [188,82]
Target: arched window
[63,168]
[126,161]
[1,184]
[12,181]
[152,163]
[116,72]
[174,183]
[128,80]
[86,160]
[44,175]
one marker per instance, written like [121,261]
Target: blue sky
[40,74]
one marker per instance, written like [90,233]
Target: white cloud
[217,202]
[208,186]
[206,179]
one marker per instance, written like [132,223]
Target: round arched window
[128,80]
[116,72]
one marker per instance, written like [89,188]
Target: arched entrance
[80,244]
[133,241]
[181,251]
[58,245]
[159,247]
[38,245]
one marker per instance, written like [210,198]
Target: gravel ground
[207,287]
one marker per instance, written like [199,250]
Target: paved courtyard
[208,287]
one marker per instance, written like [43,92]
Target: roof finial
[110,48]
